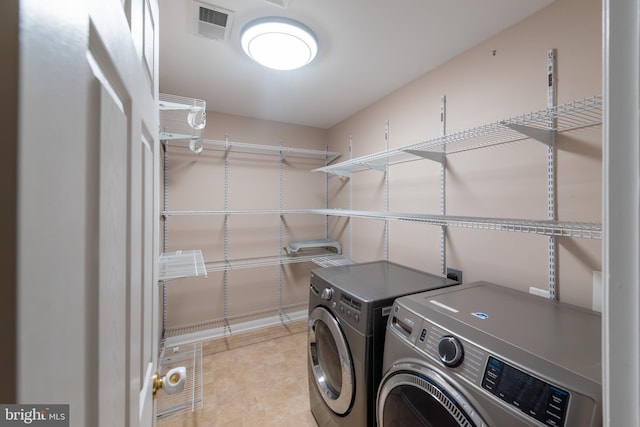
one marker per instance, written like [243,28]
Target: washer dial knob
[326,294]
[450,351]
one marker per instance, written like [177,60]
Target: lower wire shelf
[192,398]
[322,259]
[223,327]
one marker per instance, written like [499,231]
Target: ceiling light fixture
[279,43]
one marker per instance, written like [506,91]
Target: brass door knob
[172,382]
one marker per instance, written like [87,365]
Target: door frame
[621,213]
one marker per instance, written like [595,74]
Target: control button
[554,408]
[348,313]
[489,384]
[356,317]
[450,351]
[557,399]
[342,309]
[333,304]
[551,422]
[327,293]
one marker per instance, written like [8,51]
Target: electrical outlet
[539,292]
[597,291]
[454,274]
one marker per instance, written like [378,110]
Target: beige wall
[196,182]
[506,181]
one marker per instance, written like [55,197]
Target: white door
[88,206]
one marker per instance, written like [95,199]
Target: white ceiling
[368,49]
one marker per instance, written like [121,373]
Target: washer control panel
[450,351]
[536,398]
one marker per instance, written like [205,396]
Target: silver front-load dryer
[348,310]
[482,355]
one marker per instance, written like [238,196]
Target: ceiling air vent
[212,22]
[281,3]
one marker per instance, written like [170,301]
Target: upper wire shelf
[570,116]
[181,118]
[238,212]
[181,264]
[274,150]
[175,102]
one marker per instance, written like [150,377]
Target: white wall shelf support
[342,173]
[541,135]
[386,192]
[280,221]
[552,213]
[350,200]
[428,155]
[225,278]
[443,186]
[326,201]
[376,166]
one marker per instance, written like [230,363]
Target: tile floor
[253,379]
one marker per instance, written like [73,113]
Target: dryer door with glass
[411,395]
[330,361]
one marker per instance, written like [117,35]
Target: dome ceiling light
[279,43]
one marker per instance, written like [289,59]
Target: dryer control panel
[536,398]
[350,307]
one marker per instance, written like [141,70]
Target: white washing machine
[482,355]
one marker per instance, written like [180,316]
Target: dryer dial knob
[326,294]
[450,351]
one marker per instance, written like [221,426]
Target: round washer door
[330,361]
[415,396]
